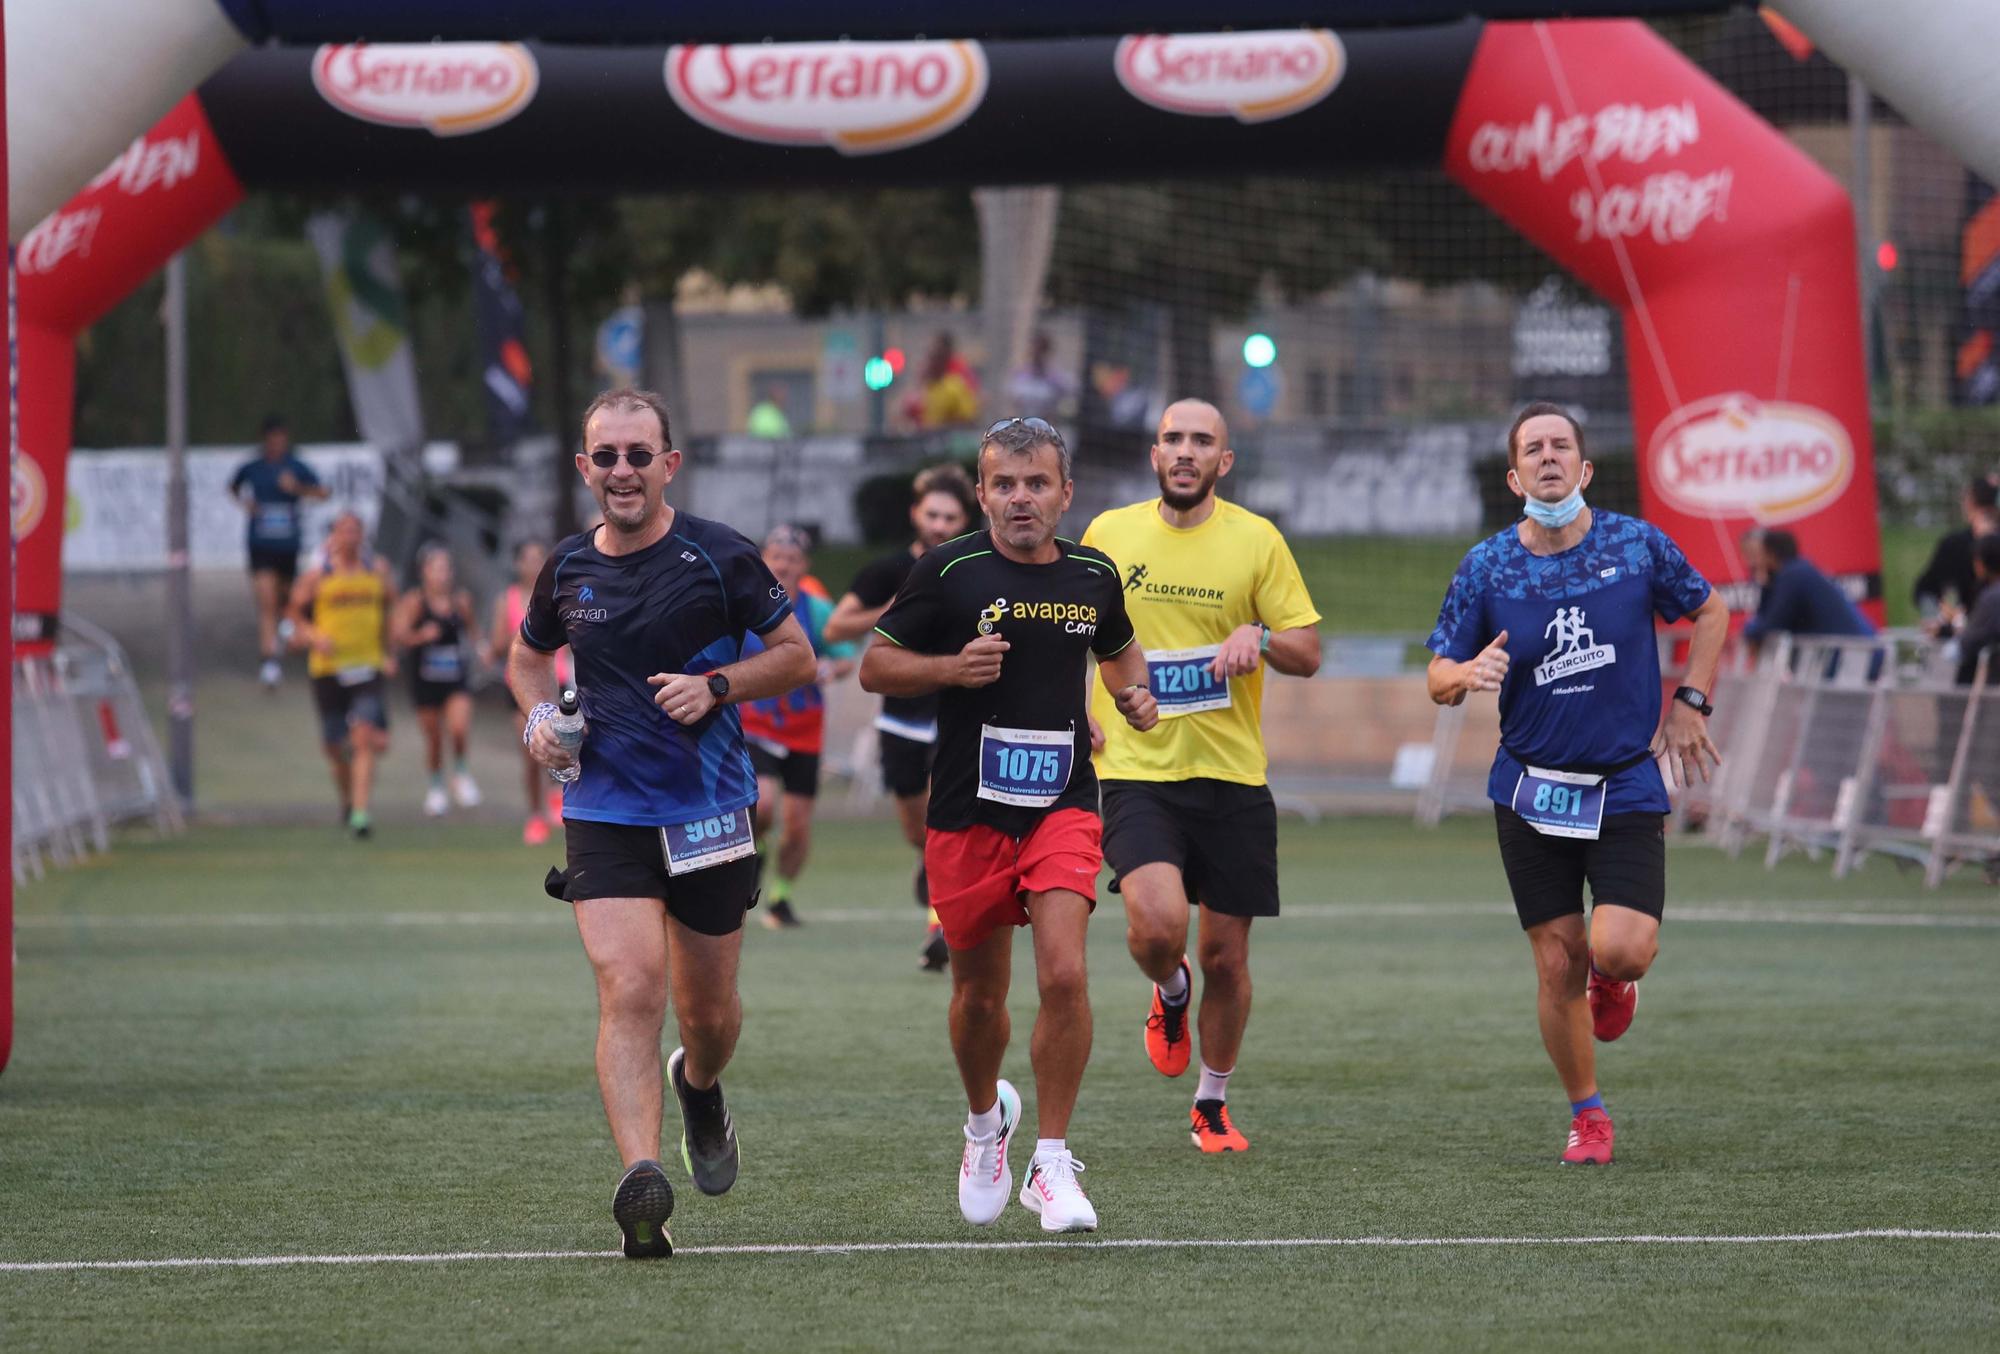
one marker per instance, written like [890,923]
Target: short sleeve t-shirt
[1583,680]
[1188,589]
[682,605]
[1053,616]
[878,582]
[795,721]
[274,517]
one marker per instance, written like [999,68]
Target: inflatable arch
[1729,253]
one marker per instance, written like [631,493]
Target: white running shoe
[465,790]
[984,1177]
[1051,1191]
[434,802]
[270,674]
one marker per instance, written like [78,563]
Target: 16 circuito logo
[1252,77]
[1735,456]
[450,88]
[860,98]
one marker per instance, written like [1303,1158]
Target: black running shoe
[936,957]
[708,1138]
[642,1204]
[921,886]
[780,917]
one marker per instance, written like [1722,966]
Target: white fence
[1845,747]
[85,759]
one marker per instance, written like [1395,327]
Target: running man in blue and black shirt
[655,605]
[277,481]
[1556,614]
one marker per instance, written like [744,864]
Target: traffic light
[880,372]
[1260,350]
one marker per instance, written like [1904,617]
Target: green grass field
[273,1042]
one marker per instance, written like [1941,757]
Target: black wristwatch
[718,687]
[1692,697]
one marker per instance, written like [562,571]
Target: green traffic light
[1260,350]
[877,374]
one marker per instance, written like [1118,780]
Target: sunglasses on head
[638,458]
[1039,427]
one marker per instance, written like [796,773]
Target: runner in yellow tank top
[1215,597]
[340,616]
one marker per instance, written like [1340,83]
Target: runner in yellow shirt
[340,616]
[1215,596]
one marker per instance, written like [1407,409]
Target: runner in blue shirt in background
[1556,614]
[655,606]
[277,480]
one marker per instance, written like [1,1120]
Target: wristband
[1264,640]
[542,712]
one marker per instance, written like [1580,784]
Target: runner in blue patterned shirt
[1555,613]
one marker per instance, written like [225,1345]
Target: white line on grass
[1748,913]
[1108,1244]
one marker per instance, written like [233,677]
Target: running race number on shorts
[1025,767]
[1560,803]
[704,842]
[1183,681]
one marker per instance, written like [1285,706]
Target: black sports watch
[1691,696]
[718,687]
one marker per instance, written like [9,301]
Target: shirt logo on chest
[1576,648]
[1134,576]
[990,616]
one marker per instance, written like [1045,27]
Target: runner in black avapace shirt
[1001,623]
[942,507]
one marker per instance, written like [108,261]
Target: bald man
[1215,597]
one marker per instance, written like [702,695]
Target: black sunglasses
[1040,427]
[638,458]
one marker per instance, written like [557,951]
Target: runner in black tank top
[433,620]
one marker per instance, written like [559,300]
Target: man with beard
[654,605]
[1001,623]
[1215,598]
[942,507]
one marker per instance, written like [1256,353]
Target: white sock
[1214,1084]
[1174,991]
[985,1123]
[1048,1147]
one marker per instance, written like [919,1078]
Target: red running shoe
[1589,1140]
[1167,1042]
[1611,1005]
[1211,1129]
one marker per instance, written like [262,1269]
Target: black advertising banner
[625,21]
[505,373]
[487,117]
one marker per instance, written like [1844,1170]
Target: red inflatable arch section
[1730,254]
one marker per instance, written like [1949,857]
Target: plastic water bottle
[568,728]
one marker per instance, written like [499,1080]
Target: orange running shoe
[535,831]
[1167,1042]
[1212,1130]
[1612,1005]
[1589,1140]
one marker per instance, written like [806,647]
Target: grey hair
[1020,437]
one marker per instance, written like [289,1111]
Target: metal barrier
[85,758]
[1967,821]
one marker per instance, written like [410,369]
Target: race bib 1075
[1025,767]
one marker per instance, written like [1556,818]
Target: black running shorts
[1221,836]
[906,764]
[615,860]
[1626,866]
[340,707]
[797,773]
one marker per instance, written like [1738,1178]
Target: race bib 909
[703,842]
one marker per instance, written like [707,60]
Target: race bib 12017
[1183,682]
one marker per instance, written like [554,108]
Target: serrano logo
[861,98]
[451,88]
[30,495]
[1733,456]
[1252,77]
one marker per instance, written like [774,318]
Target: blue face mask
[1553,515]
